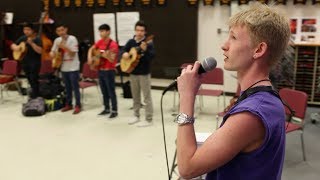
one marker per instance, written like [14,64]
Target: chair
[9,75]
[297,100]
[89,79]
[46,67]
[214,77]
[200,139]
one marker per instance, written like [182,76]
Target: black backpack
[51,87]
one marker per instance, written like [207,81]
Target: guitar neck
[43,14]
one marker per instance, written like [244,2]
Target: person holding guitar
[67,46]
[140,77]
[31,61]
[104,55]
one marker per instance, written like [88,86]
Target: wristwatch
[182,119]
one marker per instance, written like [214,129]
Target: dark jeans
[107,85]
[71,81]
[32,74]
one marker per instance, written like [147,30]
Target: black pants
[32,74]
[107,85]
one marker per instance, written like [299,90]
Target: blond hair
[265,25]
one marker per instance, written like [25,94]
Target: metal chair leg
[200,103]
[100,97]
[302,146]
[218,103]
[82,96]
[18,87]
[1,91]
[224,100]
[217,118]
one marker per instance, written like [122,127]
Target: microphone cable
[164,137]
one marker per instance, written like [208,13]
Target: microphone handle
[174,84]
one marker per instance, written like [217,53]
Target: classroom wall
[211,18]
[174,26]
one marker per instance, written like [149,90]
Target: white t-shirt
[68,63]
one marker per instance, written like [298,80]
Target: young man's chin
[228,67]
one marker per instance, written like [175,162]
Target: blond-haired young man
[250,143]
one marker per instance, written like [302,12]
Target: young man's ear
[260,50]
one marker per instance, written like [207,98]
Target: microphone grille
[209,64]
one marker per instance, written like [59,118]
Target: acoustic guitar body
[19,55]
[57,60]
[95,54]
[128,64]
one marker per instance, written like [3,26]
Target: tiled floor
[62,146]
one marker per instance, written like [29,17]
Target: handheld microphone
[208,64]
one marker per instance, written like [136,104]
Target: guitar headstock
[42,16]
[149,39]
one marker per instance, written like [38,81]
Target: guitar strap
[108,45]
[268,89]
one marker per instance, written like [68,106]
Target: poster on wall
[125,26]
[308,29]
[305,29]
[104,18]
[293,28]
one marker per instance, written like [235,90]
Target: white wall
[211,18]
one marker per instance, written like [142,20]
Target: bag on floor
[126,90]
[34,107]
[51,87]
[54,104]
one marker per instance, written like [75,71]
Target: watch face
[182,118]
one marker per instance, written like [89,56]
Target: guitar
[57,59]
[22,47]
[21,52]
[128,64]
[97,54]
[58,56]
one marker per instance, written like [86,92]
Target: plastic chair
[46,67]
[214,77]
[297,100]
[89,79]
[9,75]
[200,139]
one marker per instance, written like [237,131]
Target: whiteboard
[125,26]
[104,18]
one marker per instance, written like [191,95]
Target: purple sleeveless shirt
[264,163]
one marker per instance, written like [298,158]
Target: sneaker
[66,108]
[144,123]
[104,112]
[77,110]
[113,115]
[133,120]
